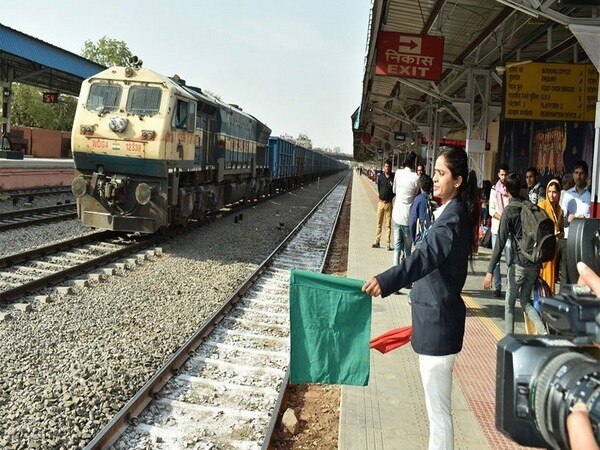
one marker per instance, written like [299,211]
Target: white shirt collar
[573,190]
[438,212]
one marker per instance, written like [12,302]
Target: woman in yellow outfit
[552,207]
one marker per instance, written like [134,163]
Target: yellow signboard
[551,91]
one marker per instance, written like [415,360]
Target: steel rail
[25,256]
[69,211]
[282,398]
[37,191]
[61,275]
[128,415]
[9,295]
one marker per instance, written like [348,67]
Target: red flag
[392,339]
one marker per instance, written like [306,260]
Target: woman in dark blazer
[438,270]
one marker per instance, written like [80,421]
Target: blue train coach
[291,164]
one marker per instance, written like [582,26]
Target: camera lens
[564,380]
[583,245]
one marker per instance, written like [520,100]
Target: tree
[108,52]
[28,109]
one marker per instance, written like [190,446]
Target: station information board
[550,91]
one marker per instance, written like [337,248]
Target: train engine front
[134,130]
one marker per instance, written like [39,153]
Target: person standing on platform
[406,187]
[420,170]
[420,219]
[575,203]
[551,206]
[438,269]
[485,202]
[498,201]
[535,191]
[521,272]
[385,182]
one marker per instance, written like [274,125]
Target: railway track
[224,387]
[59,190]
[35,216]
[24,273]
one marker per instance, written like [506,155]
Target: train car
[151,152]
[281,162]
[291,164]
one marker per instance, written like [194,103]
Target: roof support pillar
[430,163]
[6,79]
[437,125]
[478,88]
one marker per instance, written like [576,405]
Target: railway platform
[390,413]
[31,173]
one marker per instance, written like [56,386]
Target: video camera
[540,378]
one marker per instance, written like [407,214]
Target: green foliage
[108,52]
[28,109]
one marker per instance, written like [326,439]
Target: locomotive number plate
[99,143]
[134,147]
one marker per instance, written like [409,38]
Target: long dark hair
[457,161]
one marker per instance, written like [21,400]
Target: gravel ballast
[69,366]
[26,238]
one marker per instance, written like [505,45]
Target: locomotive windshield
[143,100]
[104,97]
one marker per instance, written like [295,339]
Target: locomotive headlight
[79,187]
[143,192]
[128,71]
[86,129]
[117,124]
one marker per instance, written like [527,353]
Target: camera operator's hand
[372,287]
[579,428]
[487,281]
[589,278]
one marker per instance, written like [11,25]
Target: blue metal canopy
[36,62]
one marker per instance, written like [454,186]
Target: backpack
[538,243]
[487,238]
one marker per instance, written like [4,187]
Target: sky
[296,65]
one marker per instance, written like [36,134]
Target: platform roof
[38,63]
[480,35]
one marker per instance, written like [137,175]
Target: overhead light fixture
[519,8]
[518,63]
[502,69]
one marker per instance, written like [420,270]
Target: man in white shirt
[406,187]
[575,203]
[499,198]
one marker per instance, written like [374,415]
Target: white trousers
[436,373]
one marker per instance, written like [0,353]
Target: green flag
[330,328]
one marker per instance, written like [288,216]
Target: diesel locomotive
[151,152]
